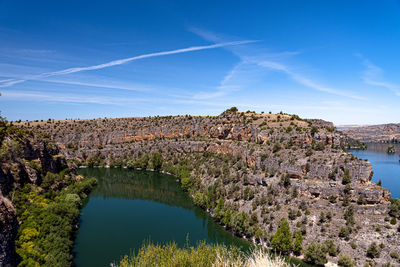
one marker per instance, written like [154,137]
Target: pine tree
[346,177]
[282,240]
[297,246]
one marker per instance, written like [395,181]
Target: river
[130,207]
[386,166]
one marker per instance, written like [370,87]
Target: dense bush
[346,177]
[373,251]
[45,237]
[315,254]
[96,160]
[345,261]
[394,209]
[156,161]
[142,162]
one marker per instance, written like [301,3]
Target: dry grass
[202,255]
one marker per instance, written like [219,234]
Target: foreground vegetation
[202,255]
[46,195]
[49,218]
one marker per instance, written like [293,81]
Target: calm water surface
[129,207]
[386,167]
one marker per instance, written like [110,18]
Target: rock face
[266,165]
[8,230]
[252,136]
[24,157]
[383,133]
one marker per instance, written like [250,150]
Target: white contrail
[123,61]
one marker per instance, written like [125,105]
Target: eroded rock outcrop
[24,158]
[266,165]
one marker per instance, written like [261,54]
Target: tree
[220,209]
[258,235]
[345,232]
[240,222]
[331,248]
[227,218]
[157,161]
[314,130]
[142,162]
[315,254]
[233,109]
[277,147]
[373,251]
[346,177]
[345,261]
[361,200]
[349,216]
[285,180]
[200,200]
[282,240]
[394,209]
[298,240]
[186,183]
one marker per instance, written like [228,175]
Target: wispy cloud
[272,61]
[224,88]
[303,80]
[124,61]
[62,98]
[373,76]
[107,85]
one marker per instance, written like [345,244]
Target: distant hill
[382,133]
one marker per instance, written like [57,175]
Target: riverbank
[386,166]
[131,195]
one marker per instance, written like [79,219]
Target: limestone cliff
[270,166]
[24,158]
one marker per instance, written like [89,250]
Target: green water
[128,207]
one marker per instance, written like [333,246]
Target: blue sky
[335,60]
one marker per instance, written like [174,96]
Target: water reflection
[128,207]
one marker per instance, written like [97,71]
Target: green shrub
[373,251]
[394,255]
[349,216]
[285,180]
[394,209]
[277,146]
[345,261]
[315,254]
[157,161]
[142,162]
[9,150]
[186,183]
[331,248]
[240,223]
[45,236]
[344,232]
[346,177]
